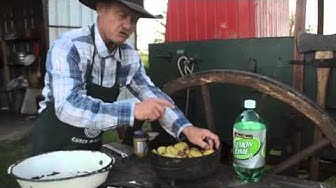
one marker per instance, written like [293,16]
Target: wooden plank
[5,62]
[298,70]
[300,21]
[320,17]
[4,58]
[301,155]
[208,108]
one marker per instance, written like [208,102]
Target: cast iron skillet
[184,168]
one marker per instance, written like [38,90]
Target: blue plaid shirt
[66,65]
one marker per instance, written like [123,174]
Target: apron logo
[92,133]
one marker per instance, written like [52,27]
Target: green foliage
[331,181]
[145,61]
[110,136]
[147,126]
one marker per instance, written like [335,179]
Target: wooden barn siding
[189,20]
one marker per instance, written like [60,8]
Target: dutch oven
[184,168]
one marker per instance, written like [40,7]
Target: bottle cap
[140,134]
[249,104]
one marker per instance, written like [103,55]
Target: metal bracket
[318,63]
[252,65]
[324,63]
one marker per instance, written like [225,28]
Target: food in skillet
[181,150]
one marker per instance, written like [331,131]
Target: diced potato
[181,146]
[172,150]
[155,151]
[208,151]
[195,153]
[170,155]
[181,150]
[161,150]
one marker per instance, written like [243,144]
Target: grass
[331,181]
[10,153]
[110,136]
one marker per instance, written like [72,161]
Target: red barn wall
[189,20]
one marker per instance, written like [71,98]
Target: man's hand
[201,137]
[151,109]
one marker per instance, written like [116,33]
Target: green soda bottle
[249,144]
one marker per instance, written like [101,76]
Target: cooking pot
[63,169]
[184,168]
[22,58]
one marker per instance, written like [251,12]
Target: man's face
[116,22]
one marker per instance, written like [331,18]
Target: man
[85,69]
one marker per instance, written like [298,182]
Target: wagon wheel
[267,86]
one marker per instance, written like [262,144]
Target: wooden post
[4,54]
[298,70]
[320,17]
[300,21]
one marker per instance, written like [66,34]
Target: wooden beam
[300,155]
[4,55]
[298,72]
[299,25]
[320,17]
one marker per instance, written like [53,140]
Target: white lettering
[79,140]
[243,144]
[239,151]
[84,141]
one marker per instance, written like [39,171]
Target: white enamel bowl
[63,169]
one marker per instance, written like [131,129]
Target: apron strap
[88,73]
[89,68]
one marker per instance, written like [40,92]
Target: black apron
[50,134]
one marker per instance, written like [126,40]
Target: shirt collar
[102,49]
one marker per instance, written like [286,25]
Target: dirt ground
[14,126]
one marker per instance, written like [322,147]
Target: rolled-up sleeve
[143,88]
[72,104]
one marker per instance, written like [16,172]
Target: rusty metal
[267,86]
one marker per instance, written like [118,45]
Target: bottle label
[249,147]
[140,148]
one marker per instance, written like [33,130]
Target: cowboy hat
[136,5]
